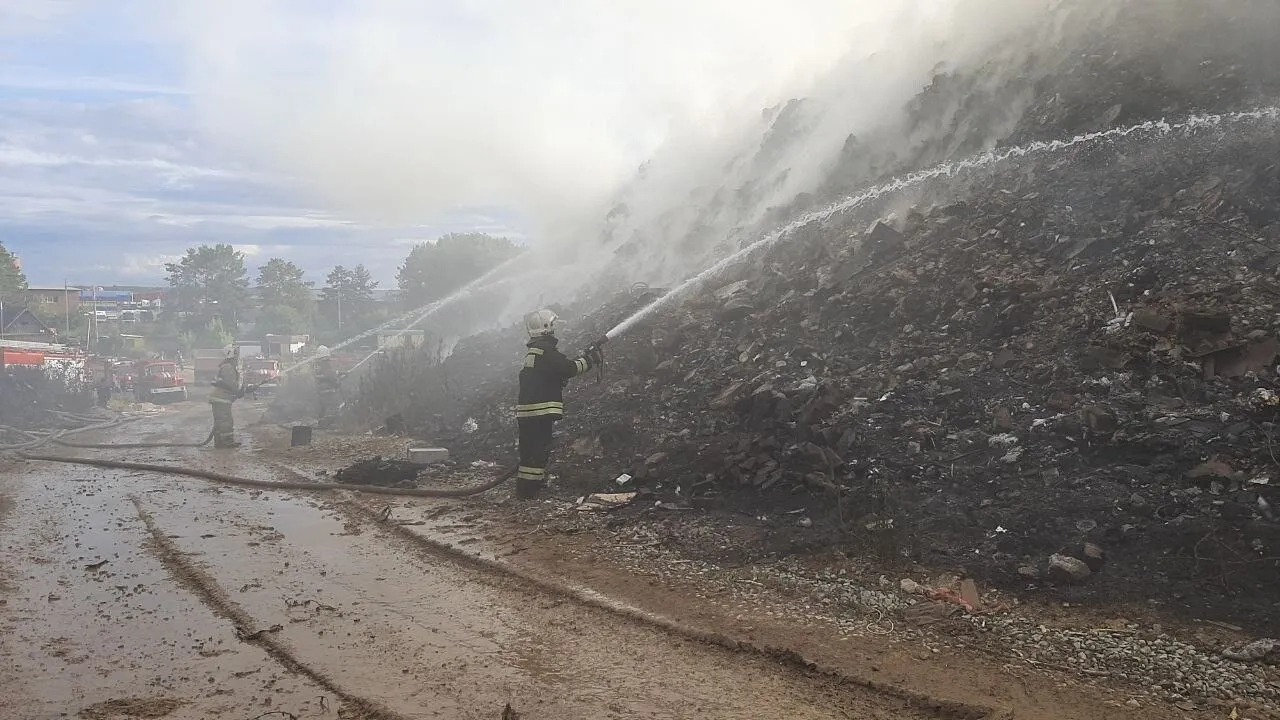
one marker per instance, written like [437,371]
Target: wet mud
[133,595]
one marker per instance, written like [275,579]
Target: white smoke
[393,110]
[397,108]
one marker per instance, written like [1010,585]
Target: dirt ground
[132,595]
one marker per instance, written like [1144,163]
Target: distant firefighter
[328,386]
[226,390]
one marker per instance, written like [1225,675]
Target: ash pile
[380,471]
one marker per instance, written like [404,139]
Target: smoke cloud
[398,108]
[394,110]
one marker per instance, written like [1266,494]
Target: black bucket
[301,435]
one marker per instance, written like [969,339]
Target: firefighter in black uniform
[546,371]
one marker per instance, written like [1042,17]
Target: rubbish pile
[1073,356]
[1059,372]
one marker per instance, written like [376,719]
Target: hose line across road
[264,484]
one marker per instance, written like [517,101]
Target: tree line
[214,295]
[214,298]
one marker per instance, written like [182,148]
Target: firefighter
[226,390]
[105,385]
[542,379]
[328,386]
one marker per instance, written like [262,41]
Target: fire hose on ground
[21,451]
[133,446]
[272,485]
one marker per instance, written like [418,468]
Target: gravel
[1149,665]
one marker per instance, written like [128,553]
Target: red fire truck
[159,382]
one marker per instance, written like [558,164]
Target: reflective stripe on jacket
[226,389]
[543,377]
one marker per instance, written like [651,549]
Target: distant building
[151,298]
[105,304]
[284,346]
[60,301]
[24,326]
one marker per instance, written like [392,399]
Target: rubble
[1066,569]
[1090,335]
[1015,406]
[1263,649]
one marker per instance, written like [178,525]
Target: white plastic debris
[1003,440]
[622,479]
[604,501]
[428,456]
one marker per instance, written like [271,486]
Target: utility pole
[96,340]
[339,313]
[66,305]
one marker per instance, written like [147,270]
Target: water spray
[431,309]
[413,317]
[1155,128]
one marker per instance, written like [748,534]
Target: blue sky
[107,171]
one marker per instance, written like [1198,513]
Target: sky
[107,171]
[343,131]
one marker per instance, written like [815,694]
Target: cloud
[134,267]
[110,191]
[21,17]
[23,77]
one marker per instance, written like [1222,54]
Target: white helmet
[540,323]
[323,352]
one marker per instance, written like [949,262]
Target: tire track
[206,588]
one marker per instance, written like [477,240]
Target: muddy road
[131,595]
[128,595]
